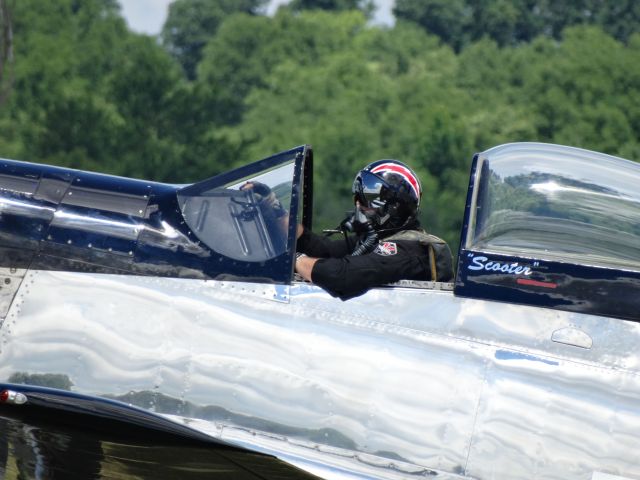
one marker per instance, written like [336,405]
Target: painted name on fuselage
[483,263]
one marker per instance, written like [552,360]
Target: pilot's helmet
[388,192]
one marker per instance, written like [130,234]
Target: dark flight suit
[406,255]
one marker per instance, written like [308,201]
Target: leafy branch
[6,49]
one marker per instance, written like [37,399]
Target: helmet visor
[367,187]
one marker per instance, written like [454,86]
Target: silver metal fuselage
[402,382]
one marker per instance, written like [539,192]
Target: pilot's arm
[312,247]
[330,265]
[304,266]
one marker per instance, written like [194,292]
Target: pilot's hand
[262,192]
[265,197]
[304,266]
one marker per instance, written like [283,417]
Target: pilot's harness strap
[432,261]
[440,258]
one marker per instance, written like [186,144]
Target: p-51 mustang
[179,305]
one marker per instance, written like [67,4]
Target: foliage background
[224,85]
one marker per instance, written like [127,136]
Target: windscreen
[244,219]
[557,203]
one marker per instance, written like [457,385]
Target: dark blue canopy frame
[55,218]
[559,284]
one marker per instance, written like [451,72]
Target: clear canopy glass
[235,221]
[557,203]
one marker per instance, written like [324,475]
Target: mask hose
[368,243]
[357,222]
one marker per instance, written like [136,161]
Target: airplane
[176,308]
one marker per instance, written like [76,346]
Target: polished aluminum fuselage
[402,382]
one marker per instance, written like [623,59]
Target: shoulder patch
[386,248]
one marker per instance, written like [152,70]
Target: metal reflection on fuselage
[409,376]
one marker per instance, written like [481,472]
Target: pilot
[386,243]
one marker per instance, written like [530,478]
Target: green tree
[380,93]
[56,99]
[497,110]
[90,94]
[510,22]
[447,19]
[192,23]
[573,92]
[366,6]
[235,62]
[582,89]
[619,19]
[6,49]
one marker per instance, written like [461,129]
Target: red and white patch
[386,248]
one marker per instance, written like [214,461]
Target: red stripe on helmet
[402,171]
